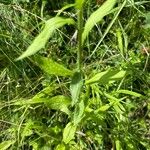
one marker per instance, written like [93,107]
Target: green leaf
[6,144]
[120,42]
[118,107]
[61,147]
[106,77]
[51,67]
[79,112]
[97,16]
[46,91]
[79,3]
[104,107]
[59,102]
[118,145]
[75,87]
[69,132]
[129,93]
[39,42]
[27,130]
[147,20]
[147,17]
[64,8]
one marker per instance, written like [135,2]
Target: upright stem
[80,47]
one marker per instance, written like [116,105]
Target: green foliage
[79,3]
[108,76]
[97,16]
[75,87]
[101,102]
[51,67]
[6,144]
[147,21]
[40,41]
[69,132]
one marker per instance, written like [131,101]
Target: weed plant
[83,81]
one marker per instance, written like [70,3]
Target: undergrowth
[75,75]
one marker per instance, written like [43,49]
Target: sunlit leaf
[75,87]
[39,42]
[27,131]
[120,41]
[61,147]
[104,107]
[6,144]
[51,67]
[64,8]
[129,93]
[108,76]
[116,103]
[69,132]
[79,112]
[46,91]
[79,3]
[97,16]
[118,145]
[59,102]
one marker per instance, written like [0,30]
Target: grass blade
[129,93]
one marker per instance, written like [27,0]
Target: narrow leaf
[6,144]
[39,42]
[108,76]
[75,87]
[64,8]
[79,3]
[69,132]
[51,67]
[104,107]
[97,16]
[79,112]
[129,93]
[116,103]
[59,102]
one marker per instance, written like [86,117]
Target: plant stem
[80,47]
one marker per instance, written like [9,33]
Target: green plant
[92,113]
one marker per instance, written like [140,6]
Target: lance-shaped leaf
[6,144]
[58,102]
[97,16]
[40,41]
[129,93]
[108,76]
[79,3]
[64,8]
[51,67]
[75,87]
[69,132]
[79,112]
